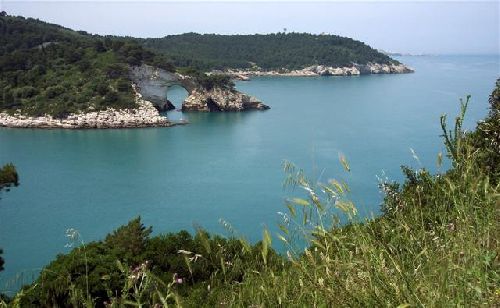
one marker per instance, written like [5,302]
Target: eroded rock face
[221,100]
[153,84]
[161,104]
[168,106]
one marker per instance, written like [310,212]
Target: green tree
[8,176]
[123,86]
[271,51]
[129,241]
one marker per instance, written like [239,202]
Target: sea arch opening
[176,94]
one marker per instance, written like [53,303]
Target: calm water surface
[228,165]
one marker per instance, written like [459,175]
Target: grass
[435,245]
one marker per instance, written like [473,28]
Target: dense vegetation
[270,51]
[208,81]
[45,68]
[436,244]
[108,271]
[49,69]
[8,176]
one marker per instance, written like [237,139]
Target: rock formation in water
[161,104]
[153,84]
[221,100]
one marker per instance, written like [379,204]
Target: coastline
[145,115]
[320,70]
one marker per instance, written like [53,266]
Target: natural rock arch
[153,84]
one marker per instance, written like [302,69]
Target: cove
[228,165]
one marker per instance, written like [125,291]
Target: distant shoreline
[146,115]
[320,70]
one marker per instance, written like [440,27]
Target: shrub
[8,176]
[178,263]
[111,98]
[54,91]
[116,70]
[123,85]
[102,88]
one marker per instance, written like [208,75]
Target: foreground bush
[130,266]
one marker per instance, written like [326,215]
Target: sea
[227,168]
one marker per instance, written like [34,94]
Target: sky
[416,27]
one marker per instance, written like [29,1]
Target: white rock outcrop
[145,115]
[221,100]
[322,70]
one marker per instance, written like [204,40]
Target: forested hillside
[270,51]
[49,69]
[45,68]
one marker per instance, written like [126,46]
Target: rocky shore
[221,100]
[145,115]
[322,70]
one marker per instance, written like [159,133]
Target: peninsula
[55,77]
[276,54]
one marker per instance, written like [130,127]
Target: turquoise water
[228,165]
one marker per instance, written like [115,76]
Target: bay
[229,165]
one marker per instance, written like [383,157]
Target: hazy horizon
[400,27]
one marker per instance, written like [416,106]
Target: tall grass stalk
[435,245]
